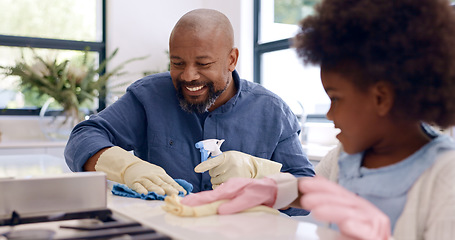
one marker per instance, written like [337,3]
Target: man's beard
[200,107]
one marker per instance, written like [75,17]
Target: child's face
[352,111]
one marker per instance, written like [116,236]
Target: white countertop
[251,226]
[31,144]
[316,152]
[31,165]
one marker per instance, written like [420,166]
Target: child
[389,70]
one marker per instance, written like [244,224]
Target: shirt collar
[399,177]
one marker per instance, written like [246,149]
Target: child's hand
[242,193]
[356,217]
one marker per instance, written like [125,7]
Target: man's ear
[233,58]
[384,97]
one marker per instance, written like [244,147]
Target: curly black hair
[408,43]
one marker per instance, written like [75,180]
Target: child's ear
[384,97]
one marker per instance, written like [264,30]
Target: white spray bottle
[209,148]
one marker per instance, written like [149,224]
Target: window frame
[272,46]
[59,44]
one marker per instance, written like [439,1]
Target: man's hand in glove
[141,176]
[237,164]
[356,217]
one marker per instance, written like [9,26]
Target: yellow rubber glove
[237,164]
[141,176]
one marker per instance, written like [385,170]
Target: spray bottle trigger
[209,148]
[204,153]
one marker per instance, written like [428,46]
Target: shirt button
[171,142]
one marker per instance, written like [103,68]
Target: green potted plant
[70,83]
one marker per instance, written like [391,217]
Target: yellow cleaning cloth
[173,205]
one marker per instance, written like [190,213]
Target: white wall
[142,27]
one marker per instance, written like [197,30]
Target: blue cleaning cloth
[124,191]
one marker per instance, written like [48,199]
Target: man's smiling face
[202,60]
[199,70]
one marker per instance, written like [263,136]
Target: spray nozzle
[209,148]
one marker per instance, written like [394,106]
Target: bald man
[162,116]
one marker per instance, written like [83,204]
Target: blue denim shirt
[387,187]
[148,120]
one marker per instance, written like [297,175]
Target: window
[276,65]
[55,29]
